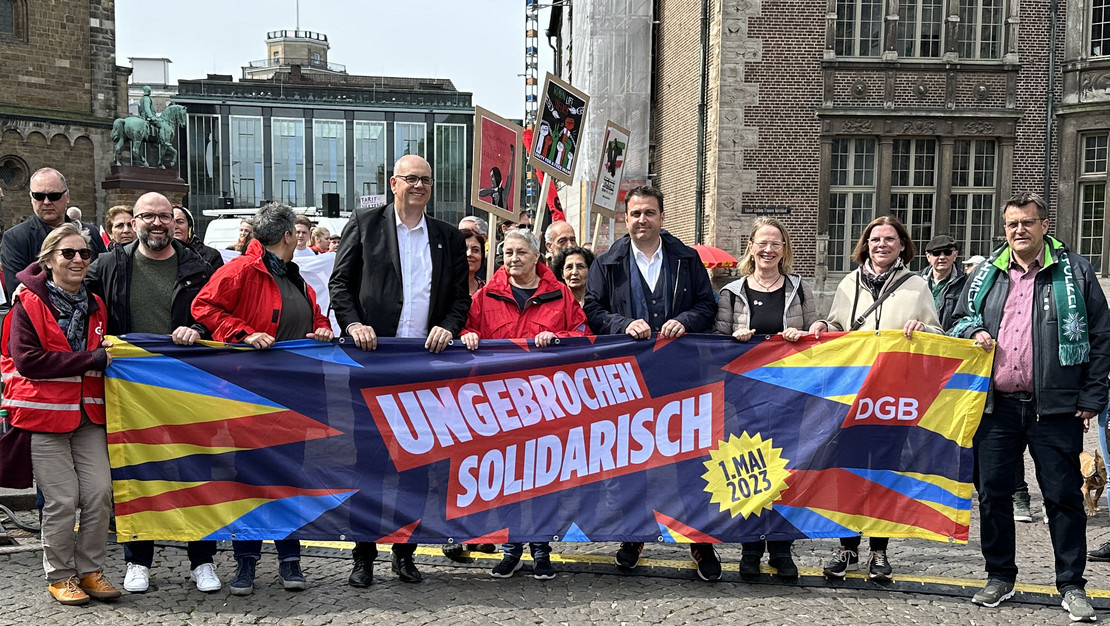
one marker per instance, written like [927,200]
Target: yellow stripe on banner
[126,454]
[131,489]
[846,400]
[187,523]
[954,415]
[135,399]
[881,528]
[122,349]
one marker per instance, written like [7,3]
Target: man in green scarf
[1043,307]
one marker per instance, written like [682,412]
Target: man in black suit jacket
[399,273]
[23,241]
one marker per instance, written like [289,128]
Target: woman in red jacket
[259,298]
[524,300]
[53,357]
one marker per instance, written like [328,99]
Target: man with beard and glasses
[148,286]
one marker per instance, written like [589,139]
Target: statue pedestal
[125,183]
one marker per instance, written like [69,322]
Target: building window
[851,198]
[289,171]
[329,164]
[450,197]
[913,190]
[246,160]
[920,24]
[980,30]
[370,158]
[972,206]
[7,18]
[859,28]
[1092,199]
[1100,28]
[204,162]
[409,138]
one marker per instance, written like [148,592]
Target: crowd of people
[400,273]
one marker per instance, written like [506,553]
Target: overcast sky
[480,52]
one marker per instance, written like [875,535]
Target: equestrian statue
[149,127]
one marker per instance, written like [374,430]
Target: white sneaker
[137,579]
[205,578]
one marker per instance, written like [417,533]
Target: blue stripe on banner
[913,488]
[170,373]
[971,382]
[281,518]
[816,525]
[574,533]
[666,534]
[823,382]
[328,353]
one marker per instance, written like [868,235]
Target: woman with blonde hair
[769,299]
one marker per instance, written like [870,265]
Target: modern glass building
[295,136]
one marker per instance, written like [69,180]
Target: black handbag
[15,458]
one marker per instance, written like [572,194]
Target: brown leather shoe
[68,592]
[97,586]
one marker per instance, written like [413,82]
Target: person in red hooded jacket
[524,300]
[52,358]
[259,298]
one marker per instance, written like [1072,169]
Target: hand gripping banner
[700,439]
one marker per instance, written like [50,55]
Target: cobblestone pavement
[933,585]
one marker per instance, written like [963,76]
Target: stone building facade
[828,113]
[61,91]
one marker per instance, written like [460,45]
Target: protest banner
[610,170]
[701,439]
[497,165]
[559,123]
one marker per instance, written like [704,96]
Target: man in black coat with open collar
[399,273]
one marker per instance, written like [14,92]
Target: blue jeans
[1054,442]
[142,552]
[540,549]
[287,549]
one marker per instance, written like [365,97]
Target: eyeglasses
[1026,224]
[413,179]
[149,218]
[53,196]
[945,252]
[767,245]
[878,240]
[69,253]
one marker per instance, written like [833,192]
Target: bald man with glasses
[21,244]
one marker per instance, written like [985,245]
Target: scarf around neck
[1071,310]
[73,313]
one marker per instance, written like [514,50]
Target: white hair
[526,235]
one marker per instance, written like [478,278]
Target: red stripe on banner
[401,535]
[497,536]
[249,432]
[660,343]
[216,492]
[689,532]
[521,343]
[774,349]
[842,491]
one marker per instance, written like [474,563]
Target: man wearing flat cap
[944,280]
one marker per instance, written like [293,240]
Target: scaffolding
[531,87]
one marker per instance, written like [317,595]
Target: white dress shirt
[649,266]
[416,278]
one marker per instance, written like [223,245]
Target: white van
[224,232]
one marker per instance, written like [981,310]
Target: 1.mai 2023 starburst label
[745,475]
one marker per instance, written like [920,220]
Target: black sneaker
[629,554]
[243,582]
[289,572]
[508,566]
[784,566]
[1022,512]
[484,548]
[841,562]
[709,564]
[456,552]
[994,593]
[878,567]
[541,568]
[749,566]
[1102,554]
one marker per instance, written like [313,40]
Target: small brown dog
[1094,479]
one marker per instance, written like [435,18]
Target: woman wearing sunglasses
[52,356]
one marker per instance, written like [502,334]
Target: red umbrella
[713,257]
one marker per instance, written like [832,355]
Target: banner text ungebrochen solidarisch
[516,436]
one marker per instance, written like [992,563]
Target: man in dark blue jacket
[1044,308]
[650,282]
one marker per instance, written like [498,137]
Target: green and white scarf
[1071,311]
